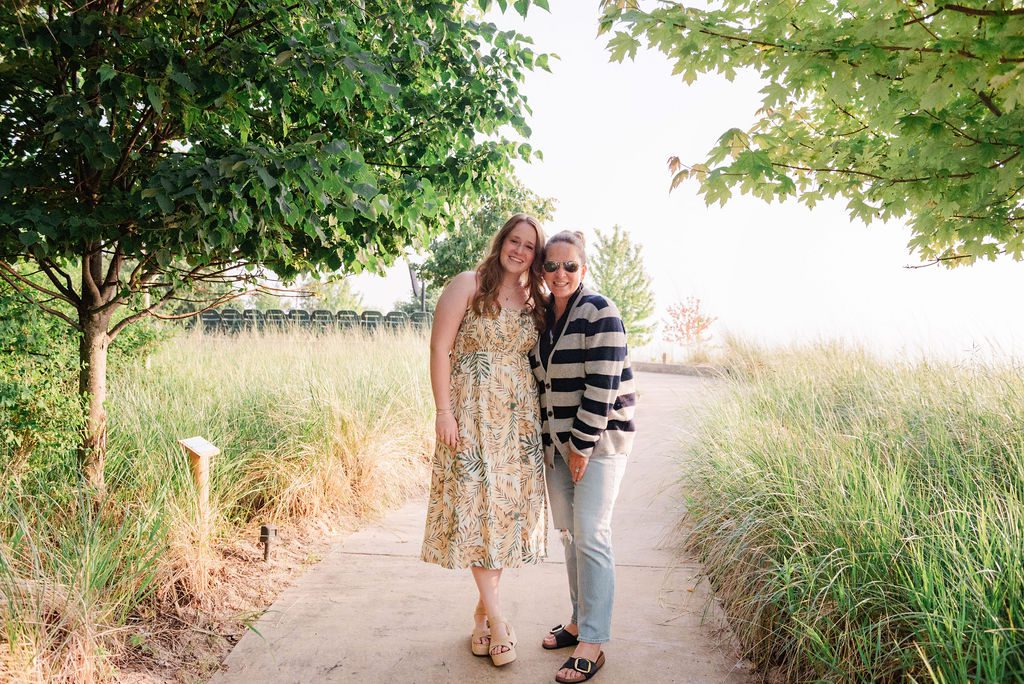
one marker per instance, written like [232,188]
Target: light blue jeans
[582,512]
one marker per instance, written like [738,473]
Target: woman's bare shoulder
[464,283]
[459,291]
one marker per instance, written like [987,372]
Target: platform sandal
[480,641]
[509,642]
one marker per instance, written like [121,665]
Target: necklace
[507,297]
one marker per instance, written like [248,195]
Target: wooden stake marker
[199,453]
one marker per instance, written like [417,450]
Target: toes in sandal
[508,642]
[563,638]
[480,641]
[587,668]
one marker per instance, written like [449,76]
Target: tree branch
[88,279]
[137,275]
[252,24]
[854,172]
[748,40]
[417,167]
[975,12]
[990,103]
[52,271]
[966,136]
[132,139]
[110,283]
[924,18]
[13,273]
[32,302]
[151,310]
[954,257]
[969,217]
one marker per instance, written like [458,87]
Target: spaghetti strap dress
[488,505]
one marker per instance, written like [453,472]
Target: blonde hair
[490,273]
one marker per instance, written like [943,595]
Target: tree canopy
[617,267]
[906,109]
[149,148]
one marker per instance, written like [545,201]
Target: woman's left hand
[577,465]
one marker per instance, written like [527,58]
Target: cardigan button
[547,385]
[551,414]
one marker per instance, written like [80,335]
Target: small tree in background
[332,294]
[616,265]
[687,324]
[327,292]
[462,247]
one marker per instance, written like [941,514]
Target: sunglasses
[569,266]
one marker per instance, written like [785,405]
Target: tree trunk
[419,287]
[92,385]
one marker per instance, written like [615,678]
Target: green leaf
[166,205]
[106,73]
[268,181]
[365,190]
[183,80]
[156,100]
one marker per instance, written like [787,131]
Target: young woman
[487,508]
[587,399]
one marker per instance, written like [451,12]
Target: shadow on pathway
[371,611]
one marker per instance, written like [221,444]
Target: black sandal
[587,668]
[563,638]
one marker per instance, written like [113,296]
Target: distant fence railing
[230,320]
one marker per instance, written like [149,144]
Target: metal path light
[267,535]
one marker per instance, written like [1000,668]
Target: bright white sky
[771,273]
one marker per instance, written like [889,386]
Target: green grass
[309,427]
[864,521]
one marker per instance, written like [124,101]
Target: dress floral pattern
[488,505]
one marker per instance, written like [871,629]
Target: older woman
[587,404]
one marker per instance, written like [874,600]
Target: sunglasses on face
[569,266]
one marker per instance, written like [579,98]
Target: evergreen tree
[616,265]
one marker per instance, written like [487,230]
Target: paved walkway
[371,611]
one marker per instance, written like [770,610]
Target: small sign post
[199,453]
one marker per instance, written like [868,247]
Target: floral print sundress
[488,505]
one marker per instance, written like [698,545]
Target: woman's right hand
[447,430]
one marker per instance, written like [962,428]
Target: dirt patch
[187,643]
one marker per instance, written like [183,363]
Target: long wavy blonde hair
[490,273]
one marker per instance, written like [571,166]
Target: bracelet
[441,412]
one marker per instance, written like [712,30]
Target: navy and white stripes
[587,394]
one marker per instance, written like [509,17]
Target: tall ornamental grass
[864,522]
[309,426]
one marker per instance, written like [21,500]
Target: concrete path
[371,611]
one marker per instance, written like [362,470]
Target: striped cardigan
[587,394]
